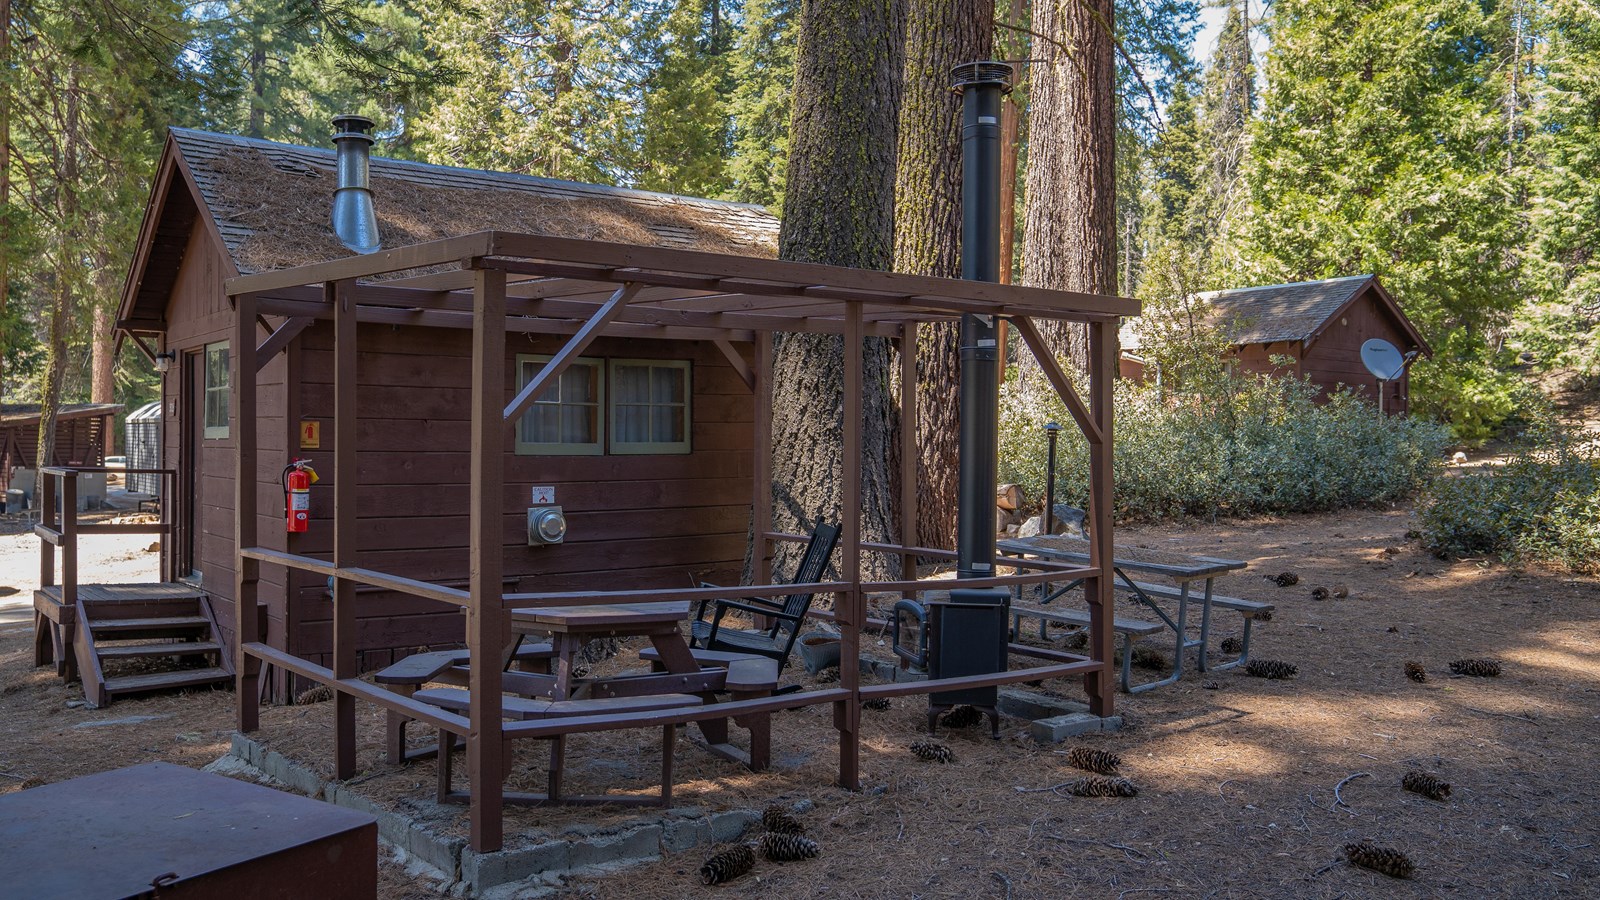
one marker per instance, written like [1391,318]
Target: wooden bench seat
[703,657]
[418,669]
[524,708]
[1251,610]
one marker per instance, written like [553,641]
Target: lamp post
[1051,432]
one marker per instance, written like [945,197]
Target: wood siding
[80,441]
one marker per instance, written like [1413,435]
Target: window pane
[631,384]
[577,425]
[216,409]
[668,425]
[666,385]
[633,424]
[578,383]
[545,422]
[217,367]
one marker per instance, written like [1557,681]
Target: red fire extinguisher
[298,477]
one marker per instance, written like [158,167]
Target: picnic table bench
[1130,629]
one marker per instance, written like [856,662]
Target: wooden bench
[418,669]
[1250,609]
[749,677]
[526,709]
[1130,629]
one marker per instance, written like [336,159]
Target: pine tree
[763,76]
[684,142]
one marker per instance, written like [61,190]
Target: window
[216,390]
[649,406]
[564,420]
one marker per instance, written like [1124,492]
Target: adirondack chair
[787,614]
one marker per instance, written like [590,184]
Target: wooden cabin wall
[80,441]
[198,313]
[1258,358]
[1335,356]
[633,521]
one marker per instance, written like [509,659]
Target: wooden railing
[59,526]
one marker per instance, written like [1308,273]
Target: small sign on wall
[310,435]
[542,495]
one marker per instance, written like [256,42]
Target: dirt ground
[1236,780]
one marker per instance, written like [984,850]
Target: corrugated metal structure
[142,445]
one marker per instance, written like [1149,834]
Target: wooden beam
[1059,380]
[1100,588]
[737,362]
[416,256]
[280,338]
[569,352]
[487,623]
[346,415]
[761,480]
[144,348]
[247,571]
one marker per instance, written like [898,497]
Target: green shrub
[1542,505]
[1242,446]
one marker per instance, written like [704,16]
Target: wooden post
[46,489]
[342,296]
[847,714]
[69,542]
[1099,589]
[246,572]
[486,621]
[908,449]
[761,501]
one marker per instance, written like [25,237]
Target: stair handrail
[58,524]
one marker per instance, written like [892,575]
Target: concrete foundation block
[1055,729]
[1030,705]
[677,837]
[730,826]
[487,870]
[632,845]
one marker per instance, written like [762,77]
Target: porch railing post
[486,621]
[847,713]
[246,572]
[342,296]
[1099,589]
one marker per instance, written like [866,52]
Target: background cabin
[82,432]
[646,444]
[1318,325]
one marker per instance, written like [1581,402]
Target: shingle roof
[1282,312]
[271,204]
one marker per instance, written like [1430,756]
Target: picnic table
[1182,569]
[571,627]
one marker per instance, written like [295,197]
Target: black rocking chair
[777,641]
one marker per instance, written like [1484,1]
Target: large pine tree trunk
[939,34]
[1070,238]
[64,294]
[838,209]
[102,386]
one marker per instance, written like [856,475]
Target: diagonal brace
[280,339]
[1058,379]
[739,365]
[579,342]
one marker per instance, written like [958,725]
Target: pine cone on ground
[1150,658]
[961,717]
[1426,785]
[1077,640]
[877,704]
[1262,615]
[1383,860]
[1340,592]
[787,847]
[774,818]
[828,675]
[728,865]
[1284,579]
[580,671]
[319,694]
[1102,762]
[1416,672]
[1320,593]
[1101,786]
[1232,645]
[928,751]
[1271,668]
[1477,668]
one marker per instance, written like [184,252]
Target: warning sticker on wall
[310,435]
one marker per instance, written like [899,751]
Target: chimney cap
[351,125]
[982,72]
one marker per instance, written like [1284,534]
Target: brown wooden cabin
[1318,325]
[82,432]
[640,512]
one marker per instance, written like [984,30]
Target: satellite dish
[1383,359]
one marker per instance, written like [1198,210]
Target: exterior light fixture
[165,360]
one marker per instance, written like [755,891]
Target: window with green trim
[649,406]
[567,418]
[216,390]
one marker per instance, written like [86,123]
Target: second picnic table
[1180,568]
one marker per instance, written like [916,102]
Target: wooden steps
[136,634]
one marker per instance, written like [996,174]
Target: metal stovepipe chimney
[982,85]
[354,219]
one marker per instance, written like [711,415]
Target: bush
[1243,446]
[1543,505]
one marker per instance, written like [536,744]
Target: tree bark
[102,386]
[5,182]
[839,210]
[940,34]
[64,294]
[1070,237]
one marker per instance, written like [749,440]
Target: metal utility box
[967,636]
